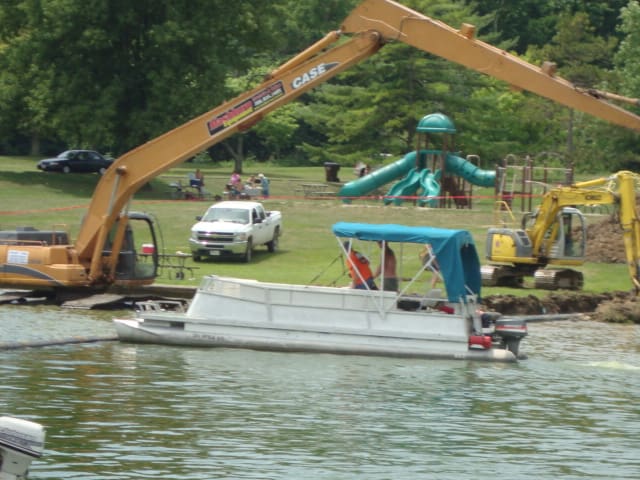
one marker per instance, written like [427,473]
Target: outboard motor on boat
[20,442]
[509,331]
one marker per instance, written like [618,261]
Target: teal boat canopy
[455,250]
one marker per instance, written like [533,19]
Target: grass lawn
[308,251]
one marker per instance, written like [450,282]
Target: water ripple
[121,411]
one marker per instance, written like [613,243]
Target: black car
[81,161]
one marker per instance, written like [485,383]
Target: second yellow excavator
[554,235]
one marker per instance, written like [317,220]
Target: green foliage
[528,23]
[522,22]
[626,58]
[300,24]
[117,73]
[584,59]
[111,75]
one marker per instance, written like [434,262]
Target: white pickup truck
[235,228]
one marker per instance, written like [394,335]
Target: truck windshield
[227,215]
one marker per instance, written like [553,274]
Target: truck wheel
[273,244]
[66,169]
[249,251]
[196,258]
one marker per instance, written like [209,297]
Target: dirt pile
[618,307]
[560,303]
[604,241]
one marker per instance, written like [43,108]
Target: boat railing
[469,309]
[306,295]
[160,306]
[316,296]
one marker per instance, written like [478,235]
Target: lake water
[125,411]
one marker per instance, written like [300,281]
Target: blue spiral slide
[413,180]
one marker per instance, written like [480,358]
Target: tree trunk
[237,153]
[35,145]
[570,134]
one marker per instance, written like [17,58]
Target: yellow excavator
[555,235]
[102,253]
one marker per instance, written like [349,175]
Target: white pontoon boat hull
[238,313]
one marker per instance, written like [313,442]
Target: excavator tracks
[500,276]
[553,279]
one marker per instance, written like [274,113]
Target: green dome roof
[435,123]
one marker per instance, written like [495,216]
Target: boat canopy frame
[455,250]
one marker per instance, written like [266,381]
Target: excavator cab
[565,240]
[562,247]
[131,267]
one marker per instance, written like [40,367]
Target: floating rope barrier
[549,317]
[55,342]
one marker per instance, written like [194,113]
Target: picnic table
[247,192]
[181,190]
[175,264]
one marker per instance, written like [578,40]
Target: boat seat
[416,302]
[409,303]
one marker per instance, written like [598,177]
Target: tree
[627,61]
[521,22]
[532,23]
[627,68]
[114,73]
[603,14]
[582,58]
[303,23]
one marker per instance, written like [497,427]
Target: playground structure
[519,180]
[429,176]
[436,177]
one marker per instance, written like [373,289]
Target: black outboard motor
[509,331]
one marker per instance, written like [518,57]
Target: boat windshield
[234,215]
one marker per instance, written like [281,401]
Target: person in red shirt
[359,270]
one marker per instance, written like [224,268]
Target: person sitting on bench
[196,180]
